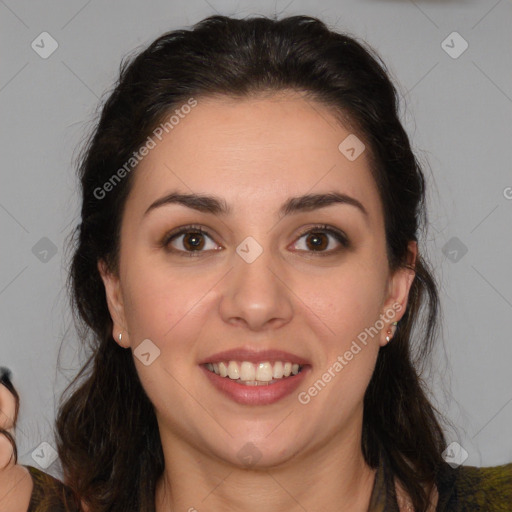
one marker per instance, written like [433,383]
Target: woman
[248,274]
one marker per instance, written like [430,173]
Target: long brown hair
[108,438]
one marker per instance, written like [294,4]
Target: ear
[399,285]
[115,303]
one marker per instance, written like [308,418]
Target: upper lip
[254,356]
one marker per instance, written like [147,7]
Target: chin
[260,453]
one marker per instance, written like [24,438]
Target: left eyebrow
[218,206]
[310,202]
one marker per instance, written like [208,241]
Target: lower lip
[256,395]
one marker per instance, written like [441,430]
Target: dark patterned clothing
[463,489]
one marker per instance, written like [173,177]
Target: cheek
[351,308]
[349,303]
[348,299]
[168,309]
[149,305]
[165,305]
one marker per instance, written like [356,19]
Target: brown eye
[193,241]
[318,239]
[188,240]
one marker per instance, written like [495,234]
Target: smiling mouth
[260,374]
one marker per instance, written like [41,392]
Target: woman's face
[258,279]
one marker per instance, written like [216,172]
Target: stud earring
[120,337]
[389,336]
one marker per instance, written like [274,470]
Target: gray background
[458,113]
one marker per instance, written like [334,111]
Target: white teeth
[251,374]
[264,372]
[278,370]
[247,371]
[233,370]
[223,370]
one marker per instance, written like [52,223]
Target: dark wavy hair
[107,434]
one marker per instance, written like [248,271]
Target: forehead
[253,151]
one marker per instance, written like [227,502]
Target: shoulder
[469,488]
[50,494]
[490,486]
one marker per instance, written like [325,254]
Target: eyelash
[196,229]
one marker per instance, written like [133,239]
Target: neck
[333,477]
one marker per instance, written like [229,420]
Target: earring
[389,336]
[120,337]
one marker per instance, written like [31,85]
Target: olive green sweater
[463,489]
[460,489]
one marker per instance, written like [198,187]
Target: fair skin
[255,154]
[15,481]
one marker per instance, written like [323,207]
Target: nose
[256,294]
